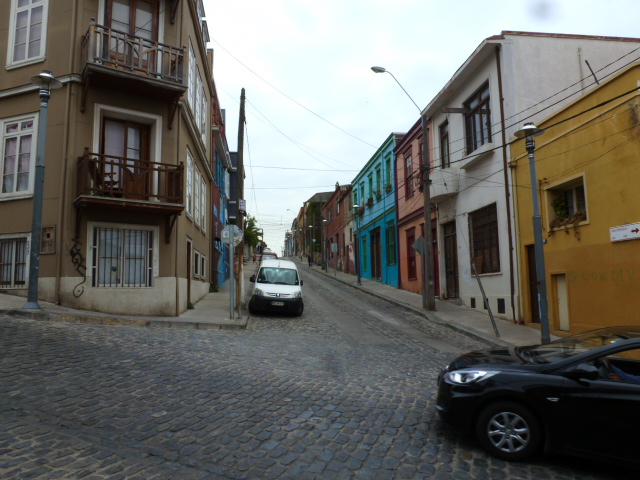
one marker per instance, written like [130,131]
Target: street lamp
[428,286]
[529,131]
[357,249]
[47,82]
[324,244]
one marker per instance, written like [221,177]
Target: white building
[510,79]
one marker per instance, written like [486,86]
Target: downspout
[65,144]
[184,179]
[507,194]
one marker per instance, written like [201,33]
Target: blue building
[376,219]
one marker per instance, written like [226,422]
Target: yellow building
[588,186]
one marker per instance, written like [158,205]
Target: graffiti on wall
[618,275]
[78,261]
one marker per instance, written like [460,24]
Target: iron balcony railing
[105,46]
[101,175]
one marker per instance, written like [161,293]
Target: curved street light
[47,82]
[428,285]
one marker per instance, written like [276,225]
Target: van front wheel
[300,310]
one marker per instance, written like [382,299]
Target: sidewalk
[211,312]
[472,322]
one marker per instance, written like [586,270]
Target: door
[125,169]
[534,305]
[562,301]
[376,254]
[134,32]
[412,270]
[451,259]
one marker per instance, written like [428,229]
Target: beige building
[130,138]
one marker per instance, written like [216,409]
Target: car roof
[277,263]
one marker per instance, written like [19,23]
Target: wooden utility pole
[240,192]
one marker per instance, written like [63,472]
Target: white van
[277,287]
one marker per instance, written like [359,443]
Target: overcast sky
[316,113]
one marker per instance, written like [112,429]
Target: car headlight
[463,377]
[297,294]
[258,292]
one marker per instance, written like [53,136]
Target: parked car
[278,287]
[268,255]
[579,395]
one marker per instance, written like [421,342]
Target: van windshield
[278,276]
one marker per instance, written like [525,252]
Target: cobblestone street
[344,392]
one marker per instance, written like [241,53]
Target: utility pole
[240,192]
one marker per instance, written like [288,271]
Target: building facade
[587,169]
[376,221]
[510,79]
[338,213]
[129,174]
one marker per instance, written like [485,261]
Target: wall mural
[78,261]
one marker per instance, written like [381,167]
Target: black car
[579,395]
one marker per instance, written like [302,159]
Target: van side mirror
[301,282]
[252,279]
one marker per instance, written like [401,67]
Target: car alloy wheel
[508,431]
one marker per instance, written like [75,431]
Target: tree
[251,232]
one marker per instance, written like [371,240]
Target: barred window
[483,239]
[122,257]
[13,261]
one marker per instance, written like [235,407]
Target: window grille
[122,258]
[483,239]
[13,262]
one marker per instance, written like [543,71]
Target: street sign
[231,234]
[420,245]
[631,231]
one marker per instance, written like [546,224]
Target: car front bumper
[291,305]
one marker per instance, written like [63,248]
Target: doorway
[451,259]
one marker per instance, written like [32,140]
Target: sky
[316,112]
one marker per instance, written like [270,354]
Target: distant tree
[251,232]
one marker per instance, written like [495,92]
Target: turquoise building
[376,220]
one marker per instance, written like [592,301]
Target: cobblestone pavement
[344,392]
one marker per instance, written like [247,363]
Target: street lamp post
[47,82]
[324,244]
[357,249]
[428,284]
[529,131]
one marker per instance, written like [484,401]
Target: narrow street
[344,392]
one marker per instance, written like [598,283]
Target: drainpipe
[507,193]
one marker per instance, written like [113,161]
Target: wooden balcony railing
[129,179]
[120,50]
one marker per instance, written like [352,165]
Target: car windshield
[278,276]
[576,344]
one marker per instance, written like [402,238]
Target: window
[408,175]
[391,244]
[412,272]
[196,195]
[364,199]
[196,263]
[387,174]
[378,183]
[18,155]
[445,161]
[191,96]
[478,119]
[203,265]
[355,198]
[483,239]
[203,204]
[568,203]
[27,31]
[189,185]
[122,257]
[13,261]
[370,185]
[125,145]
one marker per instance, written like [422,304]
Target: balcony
[116,59]
[444,184]
[129,185]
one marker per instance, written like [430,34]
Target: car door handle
[553,399]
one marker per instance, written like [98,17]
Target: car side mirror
[301,282]
[583,371]
[252,279]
